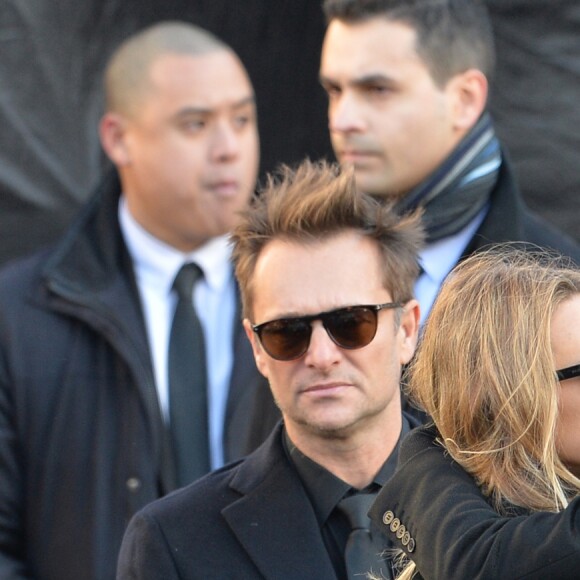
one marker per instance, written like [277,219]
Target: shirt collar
[326,489]
[438,258]
[157,263]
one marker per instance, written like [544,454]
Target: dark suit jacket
[82,442]
[250,520]
[457,535]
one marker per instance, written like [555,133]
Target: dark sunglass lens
[352,327]
[285,339]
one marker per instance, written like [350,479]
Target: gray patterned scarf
[461,186]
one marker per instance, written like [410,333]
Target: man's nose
[322,352]
[226,142]
[345,114]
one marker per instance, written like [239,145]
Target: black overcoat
[455,534]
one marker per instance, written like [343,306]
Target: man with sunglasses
[326,277]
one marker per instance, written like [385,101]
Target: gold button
[401,532]
[388,517]
[411,545]
[406,538]
[395,524]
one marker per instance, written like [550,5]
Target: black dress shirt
[325,491]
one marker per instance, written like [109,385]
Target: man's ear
[112,132]
[259,354]
[469,92]
[408,332]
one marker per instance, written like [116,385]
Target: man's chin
[375,186]
[328,428]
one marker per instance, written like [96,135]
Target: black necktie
[188,382]
[362,555]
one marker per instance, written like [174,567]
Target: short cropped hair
[452,35]
[484,371]
[127,72]
[314,202]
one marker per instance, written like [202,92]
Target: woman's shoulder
[420,440]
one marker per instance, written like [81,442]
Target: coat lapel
[275,521]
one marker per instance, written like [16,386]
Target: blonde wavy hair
[484,371]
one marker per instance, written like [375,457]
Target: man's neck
[355,456]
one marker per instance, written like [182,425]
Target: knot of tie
[355,508]
[185,280]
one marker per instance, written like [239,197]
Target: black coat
[250,520]
[456,535]
[510,220]
[82,442]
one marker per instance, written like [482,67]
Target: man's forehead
[202,81]
[368,47]
[285,261]
[192,66]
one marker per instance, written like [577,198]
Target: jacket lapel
[274,520]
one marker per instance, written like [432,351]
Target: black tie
[361,554]
[188,382]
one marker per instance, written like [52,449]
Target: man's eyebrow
[326,81]
[250,100]
[364,80]
[187,111]
[373,79]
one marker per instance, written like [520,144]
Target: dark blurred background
[52,55]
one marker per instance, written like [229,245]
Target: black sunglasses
[351,327]
[568,372]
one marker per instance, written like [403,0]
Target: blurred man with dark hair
[408,82]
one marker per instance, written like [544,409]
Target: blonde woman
[490,491]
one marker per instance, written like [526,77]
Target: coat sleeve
[13,565]
[145,553]
[453,532]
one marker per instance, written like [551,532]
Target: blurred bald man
[89,341]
